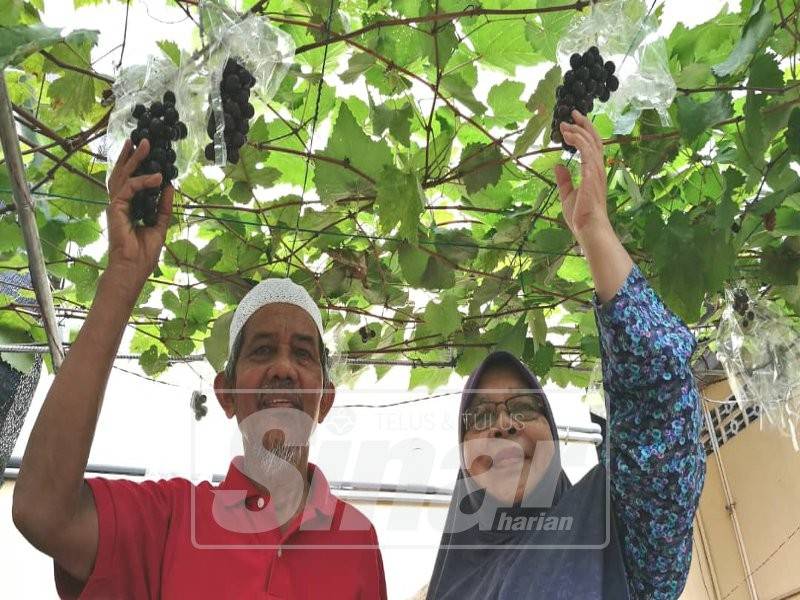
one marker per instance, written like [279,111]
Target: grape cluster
[589,78]
[366,334]
[160,124]
[198,405]
[234,88]
[741,305]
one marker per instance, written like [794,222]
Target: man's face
[509,457]
[278,373]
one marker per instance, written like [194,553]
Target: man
[271,529]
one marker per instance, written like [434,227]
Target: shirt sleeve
[658,463]
[132,521]
[376,579]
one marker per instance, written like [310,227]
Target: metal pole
[27,221]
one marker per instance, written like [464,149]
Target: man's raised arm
[53,507]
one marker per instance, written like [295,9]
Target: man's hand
[134,250]
[584,207]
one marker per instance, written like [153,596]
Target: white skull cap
[272,291]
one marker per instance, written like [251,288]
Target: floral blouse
[657,461]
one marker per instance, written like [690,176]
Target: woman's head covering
[469,563]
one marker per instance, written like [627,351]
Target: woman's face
[509,455]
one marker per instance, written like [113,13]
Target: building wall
[763,473]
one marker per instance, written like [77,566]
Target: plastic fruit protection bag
[145,84]
[626,34]
[247,45]
[760,352]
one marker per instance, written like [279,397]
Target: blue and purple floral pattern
[657,462]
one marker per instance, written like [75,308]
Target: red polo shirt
[172,539]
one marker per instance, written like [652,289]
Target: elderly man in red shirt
[272,529]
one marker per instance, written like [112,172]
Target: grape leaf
[695,118]
[349,143]
[793,132]
[756,30]
[481,165]
[462,91]
[171,50]
[400,200]
[505,102]
[504,44]
[765,72]
[16,43]
[541,105]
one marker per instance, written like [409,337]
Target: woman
[517,528]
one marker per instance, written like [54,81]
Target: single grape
[751,315]
[249,111]
[233,156]
[157,109]
[597,72]
[610,67]
[233,109]
[209,151]
[157,127]
[138,111]
[575,61]
[170,115]
[612,83]
[136,136]
[562,112]
[603,95]
[159,155]
[238,139]
[183,131]
[232,84]
[169,98]
[569,77]
[579,89]
[582,74]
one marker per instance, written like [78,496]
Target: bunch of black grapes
[235,88]
[741,305]
[366,334]
[160,124]
[590,78]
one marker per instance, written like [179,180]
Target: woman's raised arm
[656,460]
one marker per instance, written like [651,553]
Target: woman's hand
[134,250]
[584,207]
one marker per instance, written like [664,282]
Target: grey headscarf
[484,557]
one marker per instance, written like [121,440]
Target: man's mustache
[281,395]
